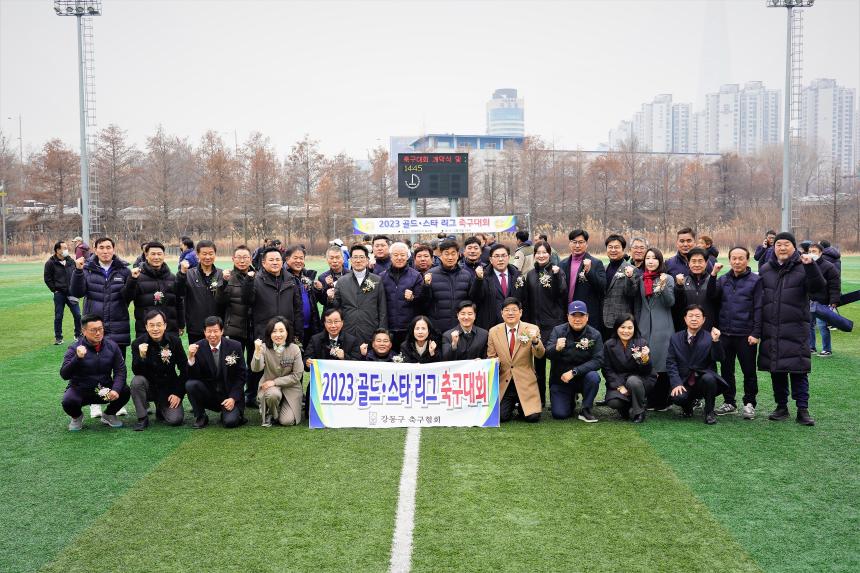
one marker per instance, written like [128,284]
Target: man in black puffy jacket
[152,285]
[447,286]
[57,276]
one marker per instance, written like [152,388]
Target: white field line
[401,544]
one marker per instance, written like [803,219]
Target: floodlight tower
[82,10]
[793,94]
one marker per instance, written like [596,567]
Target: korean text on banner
[351,394]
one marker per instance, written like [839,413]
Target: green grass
[671,495]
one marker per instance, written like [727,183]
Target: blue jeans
[825,334]
[562,396]
[61,301]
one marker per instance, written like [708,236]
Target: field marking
[401,543]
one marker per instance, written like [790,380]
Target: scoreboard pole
[413,213]
[452,201]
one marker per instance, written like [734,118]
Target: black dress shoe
[243,421]
[710,418]
[200,422]
[803,417]
[159,417]
[779,415]
[142,424]
[638,418]
[687,412]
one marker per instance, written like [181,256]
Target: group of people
[660,332]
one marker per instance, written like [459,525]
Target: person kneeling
[627,369]
[280,361]
[576,352]
[160,369]
[691,364]
[95,369]
[216,377]
[516,344]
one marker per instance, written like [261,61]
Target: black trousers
[658,396]
[508,403]
[202,398]
[705,387]
[738,347]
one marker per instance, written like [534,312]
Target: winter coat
[678,265]
[411,356]
[832,256]
[191,256]
[103,296]
[589,289]
[739,301]
[166,374]
[694,291]
[524,257]
[447,289]
[199,296]
[487,294]
[544,296]
[831,293]
[654,317]
[785,315]
[571,357]
[616,301]
[402,311]
[82,250]
[619,364]
[58,274]
[362,306]
[268,296]
[319,347]
[229,297]
[310,312]
[763,255]
[141,291]
[105,367]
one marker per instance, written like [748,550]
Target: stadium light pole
[79,9]
[789,5]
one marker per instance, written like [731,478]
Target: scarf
[649,277]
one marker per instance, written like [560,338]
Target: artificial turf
[671,495]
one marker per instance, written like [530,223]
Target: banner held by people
[451,225]
[389,395]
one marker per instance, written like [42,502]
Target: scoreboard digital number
[424,175]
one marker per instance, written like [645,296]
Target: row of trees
[249,190]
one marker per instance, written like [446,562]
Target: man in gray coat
[361,297]
[616,301]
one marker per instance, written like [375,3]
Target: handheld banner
[418,225]
[351,394]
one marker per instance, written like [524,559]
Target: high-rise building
[682,127]
[659,126]
[620,134]
[827,122]
[505,114]
[759,118]
[699,132]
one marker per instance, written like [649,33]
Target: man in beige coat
[516,344]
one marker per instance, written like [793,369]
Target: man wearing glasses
[361,297]
[236,324]
[495,283]
[96,372]
[586,277]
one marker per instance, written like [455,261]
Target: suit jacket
[618,365]
[519,368]
[363,306]
[318,348]
[230,381]
[589,289]
[617,300]
[477,348]
[487,293]
[699,357]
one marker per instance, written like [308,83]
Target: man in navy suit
[691,364]
[216,377]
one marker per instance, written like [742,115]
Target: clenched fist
[142,349]
[408,295]
[135,272]
[317,285]
[715,334]
[81,351]
[628,272]
[363,349]
[329,281]
[431,348]
[586,265]
[227,274]
[184,266]
[455,338]
[251,274]
[192,350]
[79,262]
[428,278]
[479,272]
[679,279]
[555,269]
[560,344]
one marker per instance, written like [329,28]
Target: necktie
[504,284]
[690,339]
[513,341]
[216,355]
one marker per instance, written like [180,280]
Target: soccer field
[668,495]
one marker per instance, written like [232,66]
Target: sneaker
[58,341]
[267,421]
[832,328]
[687,411]
[200,422]
[122,412]
[779,415]
[825,353]
[95,410]
[749,412]
[141,424]
[726,409]
[586,416]
[710,418]
[111,420]
[803,417]
[76,424]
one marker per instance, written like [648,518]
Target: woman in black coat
[627,369]
[380,349]
[422,342]
[544,303]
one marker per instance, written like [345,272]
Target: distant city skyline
[352,74]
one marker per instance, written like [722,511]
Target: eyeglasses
[95,329]
[333,321]
[578,242]
[500,256]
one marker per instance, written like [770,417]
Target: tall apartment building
[759,118]
[828,122]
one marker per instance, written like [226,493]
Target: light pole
[79,9]
[789,5]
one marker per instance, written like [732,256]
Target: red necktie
[513,341]
[504,285]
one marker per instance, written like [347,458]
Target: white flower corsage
[102,392]
[640,354]
[398,358]
[230,360]
[581,277]
[165,355]
[545,280]
[584,343]
[333,349]
[519,282]
[306,282]
[368,286]
[158,297]
[524,338]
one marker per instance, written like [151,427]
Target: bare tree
[57,176]
[117,163]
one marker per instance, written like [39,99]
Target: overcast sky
[351,74]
